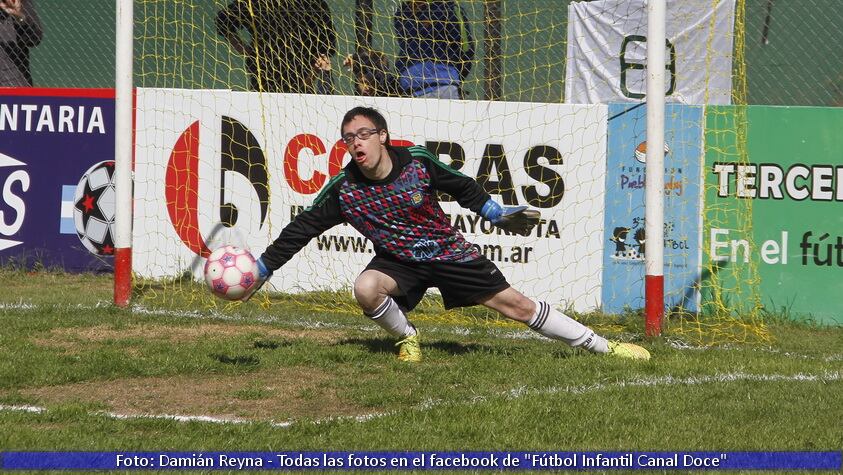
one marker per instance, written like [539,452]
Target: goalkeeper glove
[263,275]
[515,219]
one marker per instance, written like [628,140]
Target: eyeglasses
[362,134]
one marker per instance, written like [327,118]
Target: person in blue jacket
[435,48]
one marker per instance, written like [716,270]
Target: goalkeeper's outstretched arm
[320,217]
[469,194]
[304,227]
[516,219]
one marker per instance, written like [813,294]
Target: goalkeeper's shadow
[387,345]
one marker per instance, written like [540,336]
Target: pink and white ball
[231,272]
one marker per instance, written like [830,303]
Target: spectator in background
[435,48]
[372,74]
[20,30]
[287,37]
[371,71]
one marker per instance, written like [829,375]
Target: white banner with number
[607,51]
[204,159]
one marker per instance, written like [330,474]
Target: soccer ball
[231,272]
[94,203]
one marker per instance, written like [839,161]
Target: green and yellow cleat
[628,350]
[409,349]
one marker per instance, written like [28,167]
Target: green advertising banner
[773,211]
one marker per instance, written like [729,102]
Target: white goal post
[654,180]
[123,152]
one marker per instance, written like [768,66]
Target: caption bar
[420,460]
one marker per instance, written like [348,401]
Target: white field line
[34,409]
[182,418]
[512,394]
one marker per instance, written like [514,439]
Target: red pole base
[653,304]
[122,276]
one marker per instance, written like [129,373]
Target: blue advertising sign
[623,257]
[56,164]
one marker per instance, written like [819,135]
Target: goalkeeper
[389,195]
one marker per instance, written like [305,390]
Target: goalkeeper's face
[366,144]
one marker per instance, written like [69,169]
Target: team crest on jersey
[417,198]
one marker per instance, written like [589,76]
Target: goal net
[237,129]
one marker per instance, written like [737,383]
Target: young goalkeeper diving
[389,195]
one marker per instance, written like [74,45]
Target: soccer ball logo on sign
[94,203]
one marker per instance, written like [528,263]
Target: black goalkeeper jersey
[400,214]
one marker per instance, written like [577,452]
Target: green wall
[773,268]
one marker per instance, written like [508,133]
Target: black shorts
[461,284]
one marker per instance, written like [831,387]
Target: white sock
[559,326]
[389,317]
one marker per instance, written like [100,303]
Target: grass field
[79,374]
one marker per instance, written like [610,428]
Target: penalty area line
[171,417]
[512,394]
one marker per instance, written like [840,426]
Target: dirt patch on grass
[68,339]
[270,395]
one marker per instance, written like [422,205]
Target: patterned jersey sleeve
[468,193]
[315,220]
